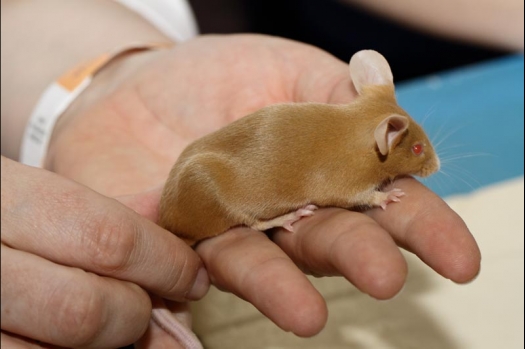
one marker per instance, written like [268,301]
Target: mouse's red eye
[417,148]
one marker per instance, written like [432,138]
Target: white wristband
[57,97]
[51,105]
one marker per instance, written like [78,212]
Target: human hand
[127,140]
[77,266]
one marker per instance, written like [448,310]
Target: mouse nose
[431,166]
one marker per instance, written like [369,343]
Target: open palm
[125,143]
[179,95]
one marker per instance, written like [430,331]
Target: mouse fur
[289,157]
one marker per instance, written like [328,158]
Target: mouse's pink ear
[389,131]
[368,67]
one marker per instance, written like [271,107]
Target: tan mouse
[272,167]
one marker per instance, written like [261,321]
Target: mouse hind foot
[286,220]
[376,198]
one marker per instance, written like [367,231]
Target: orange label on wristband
[73,78]
[58,96]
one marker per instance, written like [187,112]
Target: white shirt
[174,18]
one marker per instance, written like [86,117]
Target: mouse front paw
[390,196]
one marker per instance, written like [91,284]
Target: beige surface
[430,312]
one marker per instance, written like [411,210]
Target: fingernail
[200,287]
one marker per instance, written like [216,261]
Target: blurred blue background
[475,116]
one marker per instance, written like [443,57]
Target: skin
[124,141]
[492,23]
[123,134]
[328,151]
[29,29]
[77,277]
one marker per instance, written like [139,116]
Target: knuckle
[109,241]
[106,235]
[79,314]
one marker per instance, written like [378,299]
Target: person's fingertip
[310,319]
[456,255]
[467,268]
[386,287]
[200,286]
[381,278]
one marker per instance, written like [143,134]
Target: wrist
[59,38]
[103,84]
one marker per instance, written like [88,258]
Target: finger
[69,224]
[340,242]
[424,224]
[69,307]
[12,341]
[246,263]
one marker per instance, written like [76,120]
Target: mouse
[279,164]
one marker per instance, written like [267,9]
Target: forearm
[496,23]
[43,39]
